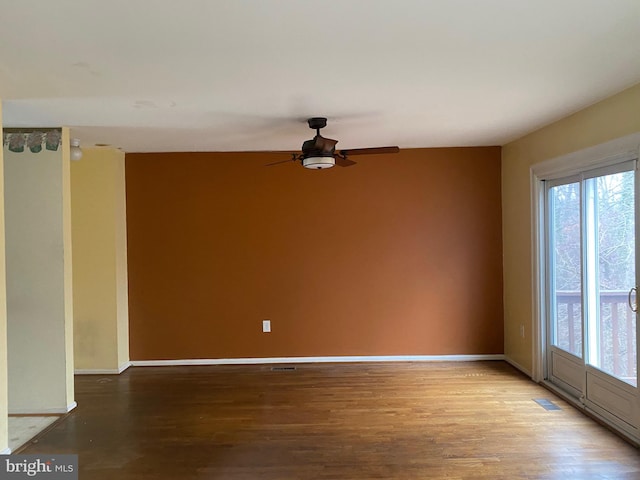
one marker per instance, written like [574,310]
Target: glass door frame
[559,359]
[580,373]
[610,153]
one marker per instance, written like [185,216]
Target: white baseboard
[96,371]
[102,371]
[337,359]
[43,411]
[517,366]
[6,451]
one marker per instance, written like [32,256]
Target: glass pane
[612,325]
[566,268]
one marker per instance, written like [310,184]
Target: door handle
[633,306]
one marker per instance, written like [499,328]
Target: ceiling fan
[320,152]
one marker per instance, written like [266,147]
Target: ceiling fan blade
[281,161]
[344,162]
[370,151]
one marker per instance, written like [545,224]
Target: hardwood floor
[331,421]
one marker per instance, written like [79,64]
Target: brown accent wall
[397,255]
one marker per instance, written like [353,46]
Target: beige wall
[101,321]
[614,117]
[40,362]
[67,268]
[122,278]
[4,439]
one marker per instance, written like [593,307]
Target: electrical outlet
[266,326]
[522,331]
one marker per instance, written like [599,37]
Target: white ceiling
[238,75]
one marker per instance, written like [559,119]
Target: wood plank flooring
[475,420]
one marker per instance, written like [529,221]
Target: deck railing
[616,329]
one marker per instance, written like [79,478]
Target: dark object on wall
[34,139]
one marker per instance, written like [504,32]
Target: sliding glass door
[591,275]
[610,250]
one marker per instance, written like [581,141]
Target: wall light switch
[266,326]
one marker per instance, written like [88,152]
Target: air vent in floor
[282,369]
[546,404]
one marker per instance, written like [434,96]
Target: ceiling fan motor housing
[309,146]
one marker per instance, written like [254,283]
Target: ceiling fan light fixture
[318,163]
